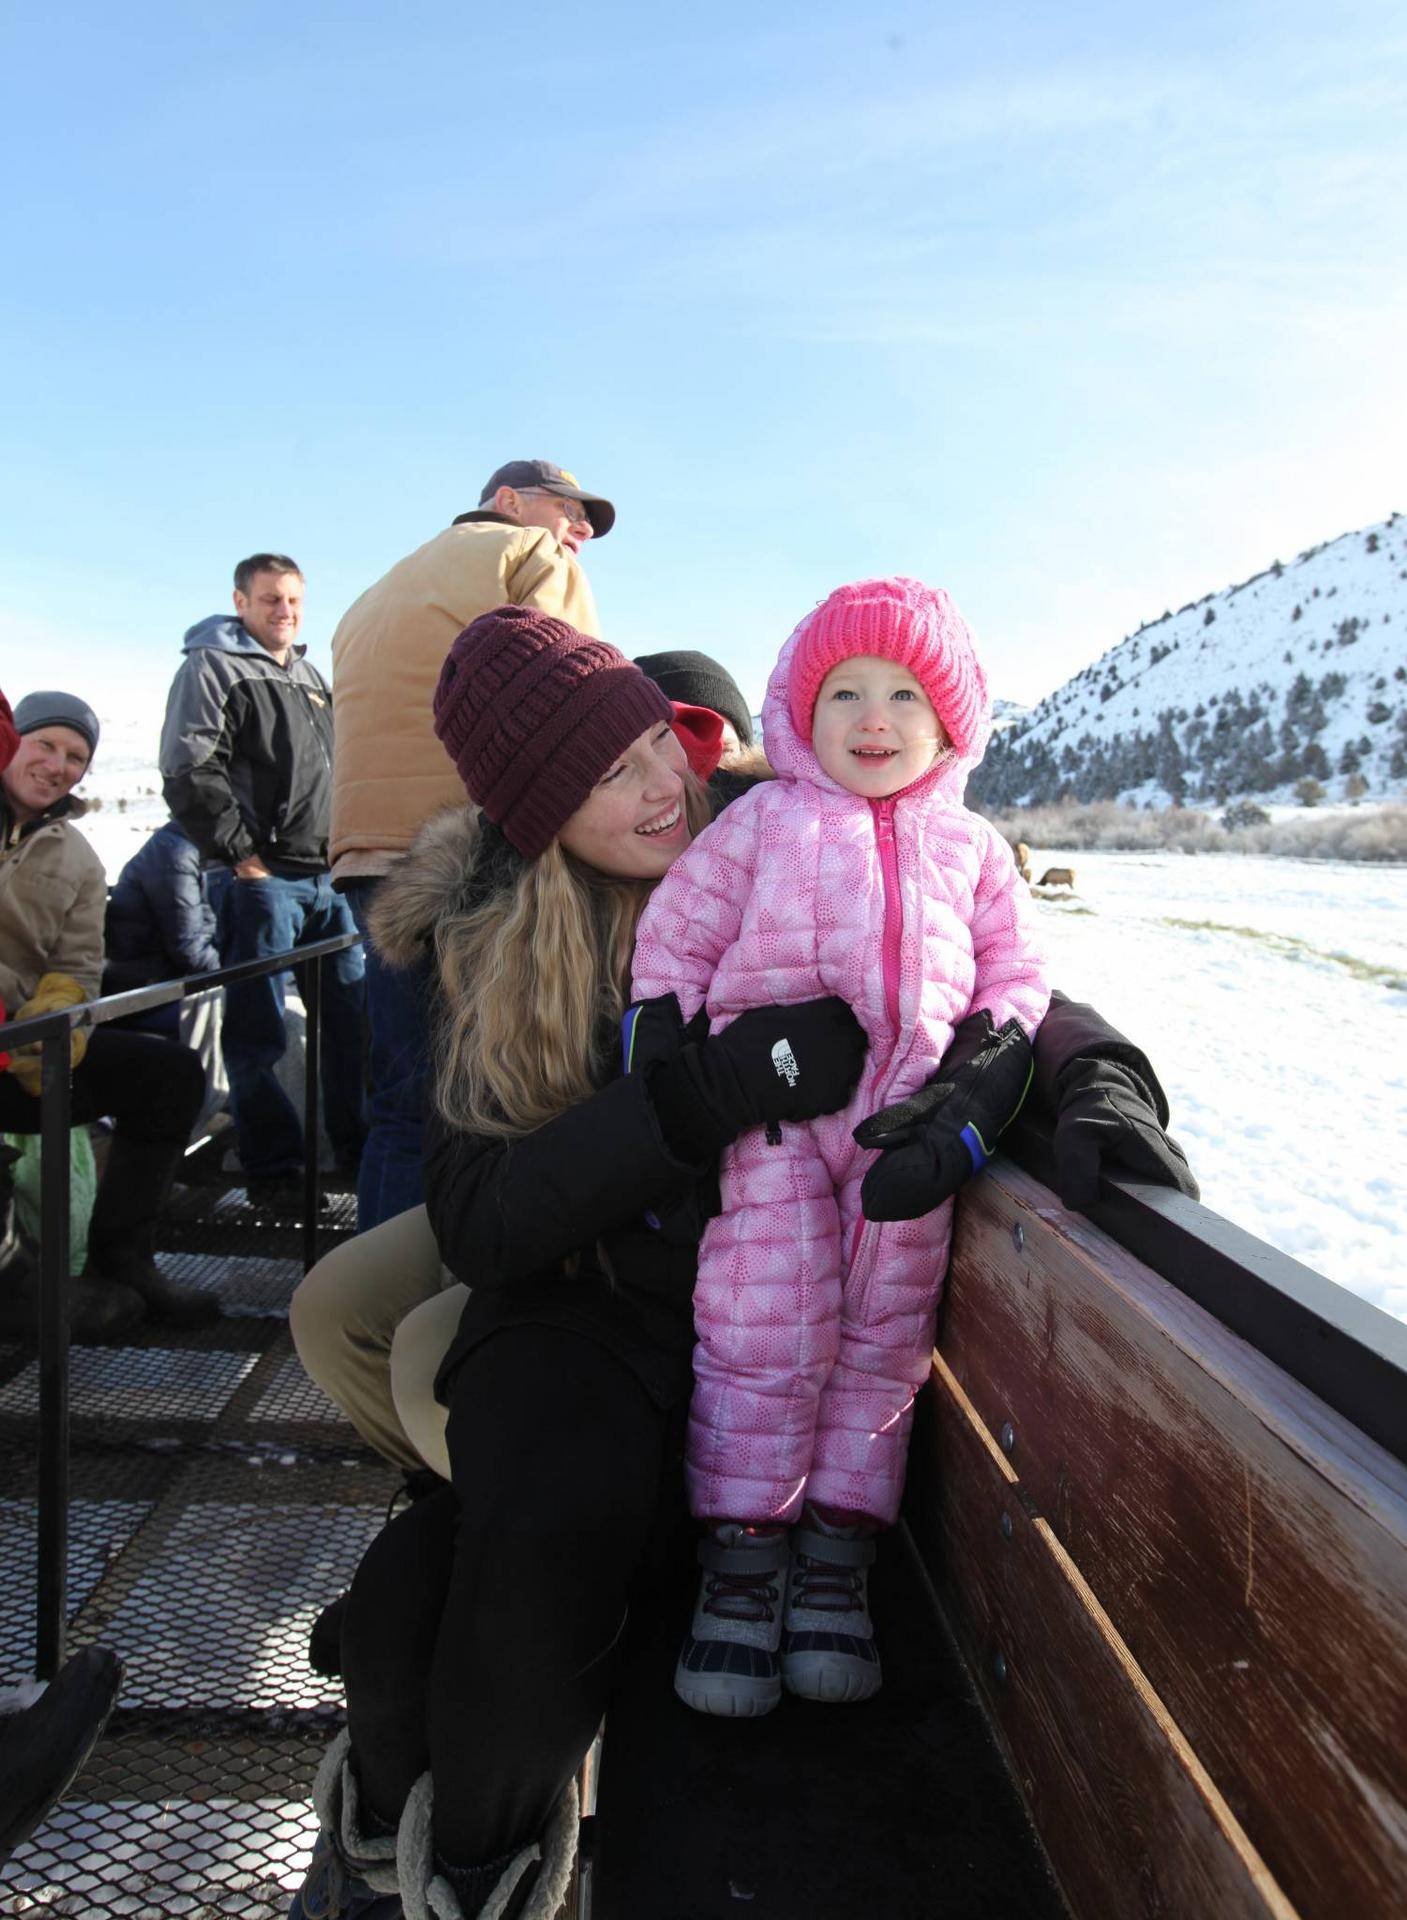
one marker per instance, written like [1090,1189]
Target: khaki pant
[371,1323]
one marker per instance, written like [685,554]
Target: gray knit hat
[38,710]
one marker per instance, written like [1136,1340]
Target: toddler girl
[857,872]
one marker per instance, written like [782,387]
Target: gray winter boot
[828,1649]
[728,1664]
[352,1874]
[530,1884]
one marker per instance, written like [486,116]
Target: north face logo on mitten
[784,1060]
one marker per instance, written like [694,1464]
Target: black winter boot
[43,1749]
[99,1311]
[122,1234]
[325,1634]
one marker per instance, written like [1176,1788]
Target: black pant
[485,1625]
[152,1088]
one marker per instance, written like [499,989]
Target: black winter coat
[160,925]
[551,1230]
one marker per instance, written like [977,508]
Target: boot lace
[742,1596]
[827,1588]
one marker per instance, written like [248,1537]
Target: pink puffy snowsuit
[816,1326]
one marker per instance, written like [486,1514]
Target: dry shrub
[1118,829]
[1379,834]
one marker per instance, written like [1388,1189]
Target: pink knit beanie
[532,713]
[902,620]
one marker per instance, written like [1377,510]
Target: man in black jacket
[246,763]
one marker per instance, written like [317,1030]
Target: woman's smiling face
[874,729]
[632,825]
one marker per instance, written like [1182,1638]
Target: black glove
[943,1134]
[772,1064]
[1106,1117]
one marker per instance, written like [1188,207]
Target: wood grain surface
[1128,1816]
[1244,1546]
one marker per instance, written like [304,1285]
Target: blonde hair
[535,976]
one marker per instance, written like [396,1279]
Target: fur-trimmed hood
[433,880]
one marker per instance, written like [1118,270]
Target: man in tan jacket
[52,896]
[390,773]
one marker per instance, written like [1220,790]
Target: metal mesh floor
[152,1386]
[218,1502]
[135,1857]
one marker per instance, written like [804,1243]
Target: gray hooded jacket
[246,750]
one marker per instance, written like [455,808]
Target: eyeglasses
[575,510]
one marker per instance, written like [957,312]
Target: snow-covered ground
[1272,997]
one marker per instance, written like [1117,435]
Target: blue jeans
[392,1178]
[258,918]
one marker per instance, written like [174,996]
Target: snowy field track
[1271,996]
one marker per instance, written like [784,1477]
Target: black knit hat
[696,681]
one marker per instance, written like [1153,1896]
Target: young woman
[485,1624]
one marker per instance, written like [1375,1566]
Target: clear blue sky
[1078,310]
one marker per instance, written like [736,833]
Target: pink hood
[896,619]
[816,1328]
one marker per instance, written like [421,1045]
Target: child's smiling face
[874,728]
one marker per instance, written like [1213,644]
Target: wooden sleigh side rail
[1178,1577]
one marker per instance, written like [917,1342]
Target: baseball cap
[38,710]
[550,479]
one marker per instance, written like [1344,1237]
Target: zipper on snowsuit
[893,908]
[867,1231]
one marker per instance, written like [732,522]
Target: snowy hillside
[1299,672]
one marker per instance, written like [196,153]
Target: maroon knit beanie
[532,713]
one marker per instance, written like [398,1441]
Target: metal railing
[52,1031]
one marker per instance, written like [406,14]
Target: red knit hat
[532,713]
[699,731]
[901,620]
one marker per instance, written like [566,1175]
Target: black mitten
[772,1064]
[940,1136]
[1105,1117]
